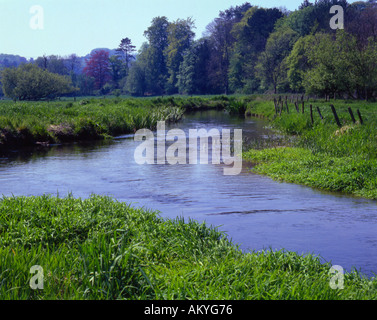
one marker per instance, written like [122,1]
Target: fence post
[319,112]
[297,109]
[359,114]
[286,105]
[335,116]
[351,114]
[311,114]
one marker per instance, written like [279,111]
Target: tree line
[245,50]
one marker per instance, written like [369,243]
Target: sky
[32,28]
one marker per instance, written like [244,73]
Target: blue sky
[78,26]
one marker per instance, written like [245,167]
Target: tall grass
[322,155]
[99,248]
[29,122]
[26,123]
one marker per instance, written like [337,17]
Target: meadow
[322,153]
[51,122]
[102,249]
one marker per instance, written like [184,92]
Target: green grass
[25,123]
[298,165]
[321,154]
[99,248]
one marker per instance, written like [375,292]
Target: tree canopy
[29,82]
[245,49]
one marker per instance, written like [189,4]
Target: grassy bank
[322,154]
[28,123]
[99,248]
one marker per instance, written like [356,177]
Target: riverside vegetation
[28,123]
[321,154]
[100,248]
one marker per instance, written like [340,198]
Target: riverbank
[99,248]
[43,123]
[321,153]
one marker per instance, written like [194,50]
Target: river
[256,212]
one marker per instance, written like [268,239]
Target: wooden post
[276,108]
[311,114]
[335,116]
[286,105]
[297,109]
[351,114]
[303,107]
[359,114]
[319,112]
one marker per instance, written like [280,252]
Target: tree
[272,65]
[305,4]
[186,75]
[251,35]
[298,63]
[29,82]
[219,32]
[137,81]
[116,70]
[126,50]
[156,68]
[180,38]
[86,85]
[361,20]
[98,67]
[57,65]
[331,72]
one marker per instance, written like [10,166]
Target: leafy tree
[29,82]
[251,35]
[98,67]
[137,80]
[57,65]
[86,85]
[310,19]
[298,63]
[361,20]
[116,70]
[157,35]
[272,64]
[330,74]
[126,51]
[53,63]
[180,38]
[222,40]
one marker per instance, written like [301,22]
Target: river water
[256,212]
